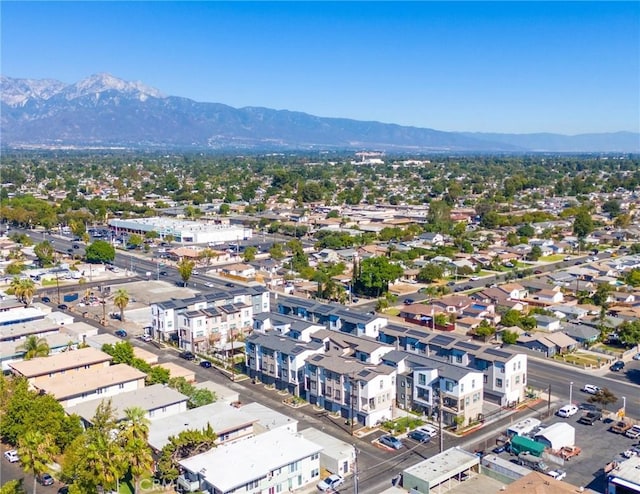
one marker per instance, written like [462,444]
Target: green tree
[34,347]
[629,332]
[12,487]
[535,254]
[36,451]
[276,252]
[633,277]
[186,444]
[24,290]
[429,273]
[121,300]
[526,230]
[582,224]
[135,240]
[509,337]
[511,318]
[185,269]
[485,330]
[14,268]
[224,209]
[45,253]
[604,397]
[376,273]
[100,251]
[612,206]
[134,440]
[250,253]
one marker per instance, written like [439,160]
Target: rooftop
[438,468]
[60,361]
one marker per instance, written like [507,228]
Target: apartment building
[358,391]
[427,384]
[274,462]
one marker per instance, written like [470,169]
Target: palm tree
[34,347]
[134,435]
[36,451]
[28,289]
[121,300]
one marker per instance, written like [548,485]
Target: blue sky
[514,67]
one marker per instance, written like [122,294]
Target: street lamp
[571,392]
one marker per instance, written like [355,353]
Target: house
[625,477]
[581,333]
[549,344]
[293,464]
[514,291]
[546,323]
[451,466]
[240,270]
[562,311]
[156,400]
[431,238]
[547,297]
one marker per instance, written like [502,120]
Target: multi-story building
[274,462]
[504,369]
[428,385]
[208,320]
[358,391]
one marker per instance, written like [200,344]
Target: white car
[12,456]
[331,483]
[557,474]
[429,429]
[567,411]
[591,389]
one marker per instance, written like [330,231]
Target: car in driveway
[63,306]
[45,479]
[591,389]
[11,456]
[420,436]
[120,333]
[636,356]
[205,364]
[567,411]
[391,441]
[617,366]
[408,301]
[187,356]
[146,337]
[46,300]
[63,490]
[331,483]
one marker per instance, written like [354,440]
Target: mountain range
[103,111]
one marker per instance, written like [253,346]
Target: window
[473,383]
[381,383]
[517,379]
[461,387]
[402,384]
[422,379]
[449,386]
[459,359]
[498,383]
[485,379]
[466,401]
[337,395]
[121,386]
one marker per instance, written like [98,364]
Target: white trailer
[524,427]
[557,436]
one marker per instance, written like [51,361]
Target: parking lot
[599,447]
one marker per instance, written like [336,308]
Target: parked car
[391,441]
[187,356]
[163,273]
[567,452]
[588,407]
[621,427]
[617,366]
[567,411]
[205,364]
[634,432]
[45,479]
[331,483]
[557,474]
[46,300]
[591,389]
[208,284]
[120,333]
[590,418]
[420,436]
[146,337]
[63,306]
[11,456]
[63,490]
[428,429]
[636,356]
[408,301]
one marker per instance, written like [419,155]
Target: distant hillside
[104,111]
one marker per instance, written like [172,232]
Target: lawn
[400,425]
[393,311]
[552,258]
[579,359]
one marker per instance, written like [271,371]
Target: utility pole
[440,422]
[351,396]
[355,470]
[549,402]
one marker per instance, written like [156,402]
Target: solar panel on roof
[470,346]
[364,373]
[497,353]
[442,340]
[415,332]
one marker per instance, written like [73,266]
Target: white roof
[331,446]
[442,466]
[258,456]
[269,418]
[220,416]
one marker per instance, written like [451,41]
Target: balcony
[188,485]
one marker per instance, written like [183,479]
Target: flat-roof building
[446,469]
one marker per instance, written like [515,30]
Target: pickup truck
[569,452]
[620,427]
[590,418]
